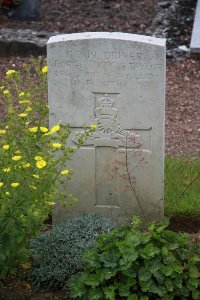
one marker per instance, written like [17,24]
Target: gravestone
[116,81]
[27,10]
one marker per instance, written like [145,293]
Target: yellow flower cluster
[15,184]
[64,172]
[43,129]
[93,126]
[10,72]
[40,162]
[33,129]
[6,92]
[22,94]
[36,176]
[26,165]
[16,157]
[24,101]
[45,70]
[23,115]
[6,147]
[2,131]
[56,145]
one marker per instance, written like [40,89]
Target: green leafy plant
[32,163]
[56,255]
[132,264]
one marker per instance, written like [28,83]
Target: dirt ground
[182,85]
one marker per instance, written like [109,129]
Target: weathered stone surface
[117,81]
[23,42]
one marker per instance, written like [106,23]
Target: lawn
[182,186]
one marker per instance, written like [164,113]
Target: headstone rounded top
[107,35]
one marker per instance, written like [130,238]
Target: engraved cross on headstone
[108,140]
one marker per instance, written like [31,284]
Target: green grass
[179,173]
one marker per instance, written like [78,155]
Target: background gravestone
[117,81]
[27,10]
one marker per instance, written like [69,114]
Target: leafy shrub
[30,169]
[130,264]
[57,254]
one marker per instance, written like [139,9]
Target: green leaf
[144,274]
[167,270]
[159,290]
[124,287]
[109,292]
[105,274]
[193,283]
[169,285]
[145,285]
[196,295]
[110,258]
[92,280]
[193,271]
[95,294]
[149,251]
[76,285]
[91,257]
[144,298]
[130,273]
[159,276]
[132,297]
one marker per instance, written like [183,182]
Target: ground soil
[182,90]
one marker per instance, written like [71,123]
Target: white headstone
[117,81]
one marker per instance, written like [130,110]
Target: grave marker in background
[28,10]
[117,81]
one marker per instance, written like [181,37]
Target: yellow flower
[22,115]
[6,92]
[51,203]
[17,152]
[33,187]
[15,184]
[6,147]
[17,157]
[93,126]
[43,129]
[64,172]
[26,165]
[24,101]
[27,123]
[22,94]
[2,131]
[41,164]
[56,145]
[45,70]
[10,72]
[6,170]
[55,128]
[33,129]
[28,109]
[1,184]
[36,176]
[2,87]
[7,193]
[38,157]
